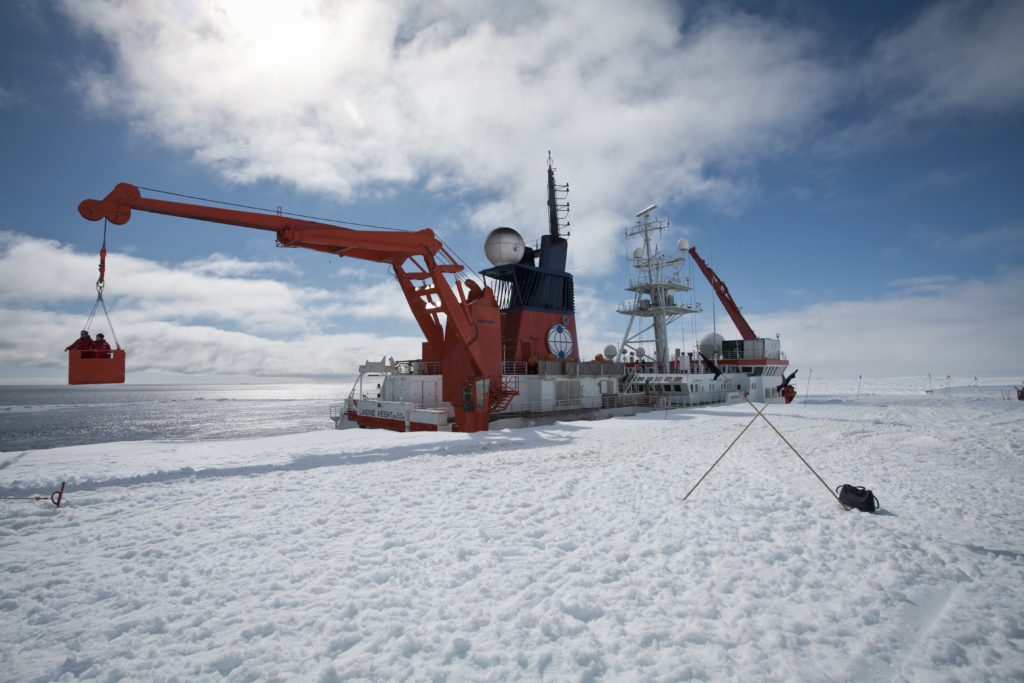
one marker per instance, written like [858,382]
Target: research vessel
[544,377]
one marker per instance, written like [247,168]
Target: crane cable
[100,283]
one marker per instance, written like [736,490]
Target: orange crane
[785,389]
[723,295]
[466,345]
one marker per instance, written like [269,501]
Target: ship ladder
[627,379]
[509,390]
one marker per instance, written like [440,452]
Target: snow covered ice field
[557,553]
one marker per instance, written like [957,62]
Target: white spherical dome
[711,344]
[640,352]
[638,253]
[610,351]
[684,245]
[504,246]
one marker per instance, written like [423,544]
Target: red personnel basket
[85,368]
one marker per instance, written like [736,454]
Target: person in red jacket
[101,347]
[83,344]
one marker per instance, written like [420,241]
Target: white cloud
[346,98]
[639,102]
[927,284]
[369,97]
[937,325]
[1007,240]
[221,265]
[173,319]
[10,99]
[36,338]
[956,57]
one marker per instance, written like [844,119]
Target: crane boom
[723,295]
[466,341]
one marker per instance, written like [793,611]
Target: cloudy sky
[852,170]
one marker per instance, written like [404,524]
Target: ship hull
[401,397]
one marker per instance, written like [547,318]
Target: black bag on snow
[857,497]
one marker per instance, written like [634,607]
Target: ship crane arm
[723,295]
[420,262]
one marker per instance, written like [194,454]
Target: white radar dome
[641,353]
[504,246]
[711,344]
[638,253]
[610,351]
[684,245]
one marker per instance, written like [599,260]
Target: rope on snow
[57,497]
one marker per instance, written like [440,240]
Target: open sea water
[33,417]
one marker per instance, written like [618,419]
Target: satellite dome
[504,246]
[711,344]
[610,351]
[638,253]
[684,244]
[640,352]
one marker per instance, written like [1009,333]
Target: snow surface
[558,553]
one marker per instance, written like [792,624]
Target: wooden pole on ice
[760,414]
[797,453]
[715,464]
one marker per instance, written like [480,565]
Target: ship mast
[658,288]
[558,208]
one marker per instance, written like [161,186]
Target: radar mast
[658,288]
